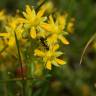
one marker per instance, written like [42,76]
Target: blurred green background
[73,79]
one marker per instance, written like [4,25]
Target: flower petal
[40,13]
[59,61]
[4,34]
[70,27]
[28,9]
[51,20]
[52,39]
[11,41]
[46,26]
[33,32]
[55,47]
[62,20]
[64,40]
[38,52]
[48,65]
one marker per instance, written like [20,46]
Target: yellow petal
[33,13]
[13,24]
[1,44]
[52,39]
[46,26]
[33,32]
[48,65]
[59,61]
[11,42]
[25,15]
[21,20]
[4,34]
[19,31]
[40,13]
[55,47]
[38,53]
[62,20]
[70,27]
[48,6]
[64,40]
[28,9]
[2,15]
[30,13]
[51,20]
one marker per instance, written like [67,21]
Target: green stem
[20,79]
[4,75]
[21,64]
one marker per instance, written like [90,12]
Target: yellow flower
[70,26]
[11,39]
[33,32]
[42,33]
[49,6]
[33,20]
[56,29]
[1,44]
[2,15]
[39,53]
[50,56]
[11,28]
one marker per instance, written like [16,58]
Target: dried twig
[86,46]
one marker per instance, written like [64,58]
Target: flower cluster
[38,25]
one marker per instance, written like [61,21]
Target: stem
[20,79]
[5,83]
[3,49]
[4,76]
[86,46]
[20,62]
